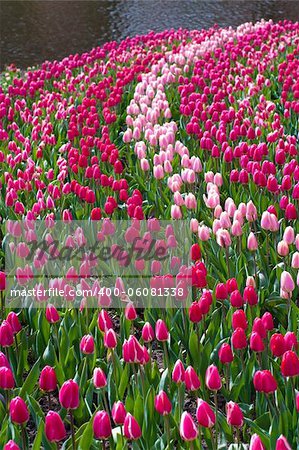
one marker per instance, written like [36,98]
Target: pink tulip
[188,429]
[204,414]
[212,378]
[256,443]
[54,427]
[132,429]
[282,444]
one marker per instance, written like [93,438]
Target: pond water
[33,31]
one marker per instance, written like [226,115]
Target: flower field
[191,128]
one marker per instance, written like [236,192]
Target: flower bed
[194,127]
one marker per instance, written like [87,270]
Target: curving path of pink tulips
[200,126]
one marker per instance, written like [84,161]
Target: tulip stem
[216,417]
[166,358]
[73,430]
[105,401]
[227,376]
[49,400]
[167,429]
[227,260]
[23,437]
[103,444]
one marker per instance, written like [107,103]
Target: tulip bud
[52,315]
[297,401]
[256,342]
[277,344]
[4,361]
[110,339]
[286,282]
[163,404]
[54,427]
[195,313]
[188,429]
[118,413]
[148,333]
[6,334]
[2,281]
[250,296]
[130,312]
[252,243]
[104,321]
[18,411]
[47,379]
[191,379]
[212,378]
[204,414]
[256,443]
[101,425]
[267,320]
[195,252]
[69,395]
[282,444]
[11,445]
[239,340]
[99,378]
[289,364]
[264,381]
[282,248]
[290,340]
[161,331]
[225,354]
[6,378]
[87,344]
[236,299]
[234,415]
[14,322]
[221,291]
[239,319]
[132,429]
[178,373]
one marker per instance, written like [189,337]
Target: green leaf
[31,379]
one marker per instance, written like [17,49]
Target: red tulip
[195,313]
[191,379]
[118,413]
[195,252]
[101,425]
[11,445]
[277,344]
[236,299]
[239,320]
[99,378]
[163,404]
[69,395]
[132,429]
[104,321]
[54,427]
[221,291]
[188,429]
[6,334]
[110,339]
[290,364]
[6,378]
[130,312]
[133,351]
[14,322]
[234,415]
[282,444]
[225,354]
[250,296]
[18,411]
[264,381]
[52,315]
[231,285]
[2,281]
[47,379]
[4,361]
[161,331]
[291,340]
[178,373]
[258,327]
[148,334]
[256,342]
[213,380]
[267,320]
[239,340]
[87,344]
[204,414]
[256,443]
[297,401]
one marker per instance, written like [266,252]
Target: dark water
[32,31]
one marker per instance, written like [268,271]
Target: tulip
[101,425]
[18,411]
[204,414]
[195,312]
[221,291]
[212,378]
[14,322]
[239,319]
[6,334]
[282,444]
[118,413]
[54,427]
[132,429]
[250,296]
[163,404]
[148,334]
[236,299]
[4,361]
[297,401]
[291,340]
[178,373]
[11,445]
[286,282]
[256,443]
[99,378]
[277,344]
[195,252]
[264,381]
[110,339]
[191,379]
[161,331]
[6,378]
[87,345]
[289,364]
[267,321]
[2,281]
[252,243]
[188,429]
[256,343]
[104,321]
[239,340]
[225,354]
[47,379]
[130,312]
[52,315]
[69,395]
[234,415]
